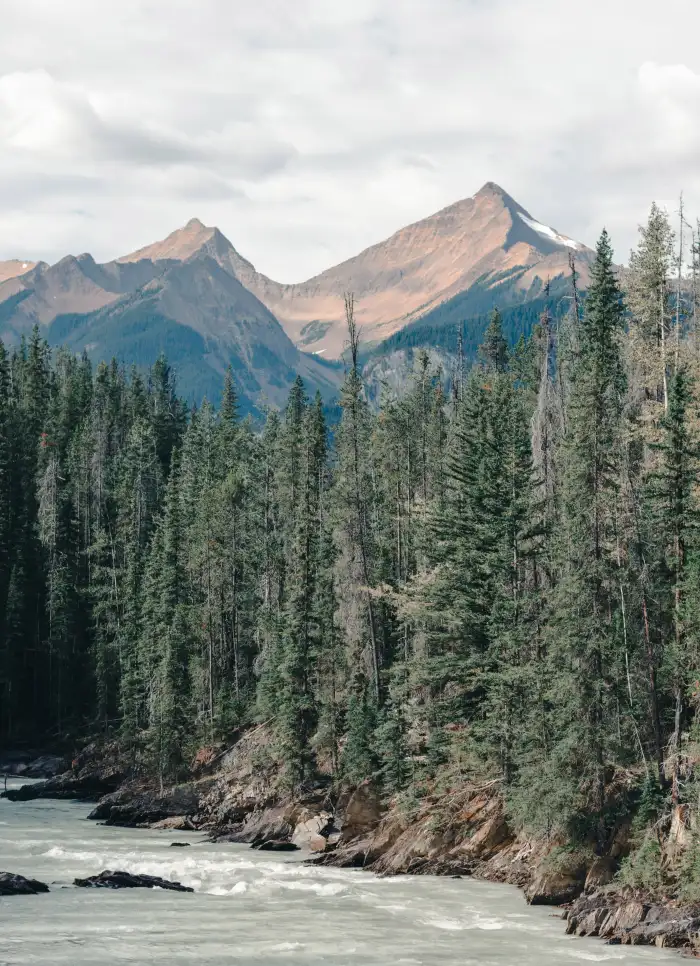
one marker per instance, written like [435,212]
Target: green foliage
[643,868]
[494,349]
[652,801]
[689,873]
[467,316]
[564,858]
[358,759]
[392,749]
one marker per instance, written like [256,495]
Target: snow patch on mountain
[548,232]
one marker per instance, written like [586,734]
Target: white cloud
[669,80]
[673,93]
[309,130]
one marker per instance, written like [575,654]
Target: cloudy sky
[308,130]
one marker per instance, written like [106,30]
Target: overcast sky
[307,130]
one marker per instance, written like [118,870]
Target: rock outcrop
[454,834]
[560,877]
[68,785]
[46,766]
[133,807]
[601,873]
[629,917]
[362,813]
[128,880]
[12,884]
[316,834]
[98,770]
[274,845]
[555,888]
[27,765]
[14,762]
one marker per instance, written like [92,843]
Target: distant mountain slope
[482,241]
[193,294]
[205,320]
[193,309]
[463,319]
[489,236]
[71,285]
[469,313]
[13,268]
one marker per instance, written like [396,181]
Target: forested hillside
[463,320]
[498,583]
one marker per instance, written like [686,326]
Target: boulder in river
[179,845]
[176,823]
[276,824]
[312,834]
[16,885]
[274,845]
[129,880]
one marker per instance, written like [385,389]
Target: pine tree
[173,712]
[354,498]
[674,520]
[268,622]
[586,603]
[455,602]
[494,349]
[514,515]
[359,759]
[649,302]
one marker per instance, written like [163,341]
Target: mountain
[72,285]
[180,301]
[463,259]
[196,239]
[486,242]
[195,297]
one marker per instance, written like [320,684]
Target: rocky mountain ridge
[487,239]
[191,308]
[195,297]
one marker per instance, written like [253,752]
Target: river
[257,908]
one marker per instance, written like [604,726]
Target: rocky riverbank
[97,770]
[28,764]
[631,917]
[235,795]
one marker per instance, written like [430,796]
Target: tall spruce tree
[586,603]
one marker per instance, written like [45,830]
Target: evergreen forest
[497,581]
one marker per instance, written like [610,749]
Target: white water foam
[251,908]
